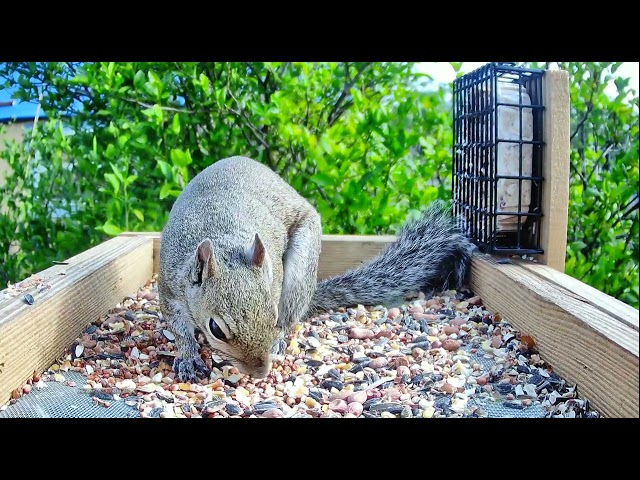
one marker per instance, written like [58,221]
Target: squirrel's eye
[215,330]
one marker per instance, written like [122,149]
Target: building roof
[14,110]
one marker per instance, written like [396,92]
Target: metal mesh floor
[57,400]
[497,409]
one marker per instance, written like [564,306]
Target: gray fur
[430,254]
[229,203]
[241,246]
[300,271]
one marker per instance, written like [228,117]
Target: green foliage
[367,143]
[602,248]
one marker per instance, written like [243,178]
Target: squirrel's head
[229,298]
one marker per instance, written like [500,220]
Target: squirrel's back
[229,202]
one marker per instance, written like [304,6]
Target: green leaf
[153,78]
[110,152]
[168,190]
[154,113]
[151,90]
[204,81]
[322,179]
[80,80]
[180,158]
[621,83]
[113,180]
[184,173]
[110,228]
[149,112]
[154,85]
[123,140]
[139,80]
[175,124]
[219,96]
[326,144]
[129,180]
[166,170]
[138,213]
[116,172]
[164,191]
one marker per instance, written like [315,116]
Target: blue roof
[23,110]
[19,111]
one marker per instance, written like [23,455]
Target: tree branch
[264,83]
[604,153]
[341,110]
[624,212]
[589,104]
[256,133]
[253,129]
[309,171]
[167,109]
[333,116]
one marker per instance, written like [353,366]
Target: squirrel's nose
[260,372]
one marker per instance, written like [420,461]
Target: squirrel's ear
[204,262]
[256,252]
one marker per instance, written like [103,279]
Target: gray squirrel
[239,260]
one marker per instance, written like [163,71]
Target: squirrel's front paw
[187,368]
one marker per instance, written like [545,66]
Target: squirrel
[239,260]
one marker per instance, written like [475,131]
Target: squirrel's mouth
[257,371]
[223,353]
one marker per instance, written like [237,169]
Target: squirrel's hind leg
[300,267]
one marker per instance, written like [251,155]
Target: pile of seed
[446,356]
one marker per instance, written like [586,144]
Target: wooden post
[555,169]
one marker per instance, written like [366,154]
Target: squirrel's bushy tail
[430,254]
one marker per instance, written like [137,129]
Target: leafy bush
[602,248]
[367,143]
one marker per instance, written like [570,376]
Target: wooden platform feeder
[590,338]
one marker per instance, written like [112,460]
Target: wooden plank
[555,169]
[584,344]
[33,336]
[155,236]
[586,293]
[339,252]
[342,252]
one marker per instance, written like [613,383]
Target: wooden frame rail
[590,338]
[33,336]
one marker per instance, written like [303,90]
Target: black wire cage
[497,157]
